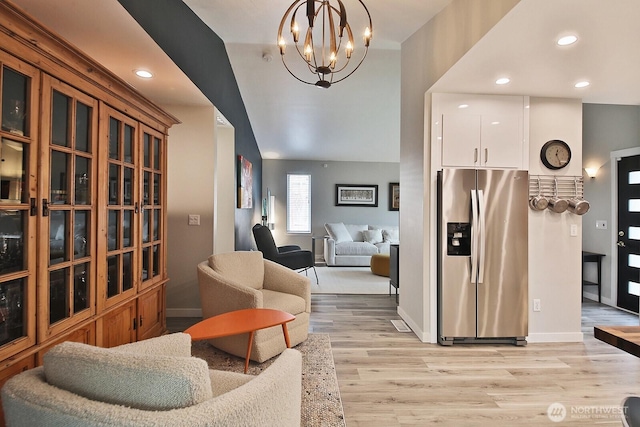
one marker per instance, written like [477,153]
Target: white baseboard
[556,337]
[422,336]
[184,312]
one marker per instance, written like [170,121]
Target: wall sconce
[591,172]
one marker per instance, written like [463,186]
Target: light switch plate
[574,230]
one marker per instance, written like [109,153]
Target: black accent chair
[291,256]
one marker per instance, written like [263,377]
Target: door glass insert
[80,287]
[80,234]
[83,127]
[58,178]
[634,233]
[113,276]
[12,314]
[82,182]
[634,205]
[127,271]
[12,170]
[15,104]
[147,150]
[60,119]
[127,227]
[58,225]
[113,235]
[634,260]
[156,224]
[156,255]
[145,227]
[147,196]
[58,296]
[156,153]
[156,189]
[114,184]
[634,288]
[128,187]
[12,224]
[634,177]
[114,138]
[145,263]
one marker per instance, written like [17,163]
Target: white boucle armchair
[150,383]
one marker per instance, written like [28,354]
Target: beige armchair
[244,279]
[154,382]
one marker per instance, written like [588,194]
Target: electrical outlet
[194,219]
[536,305]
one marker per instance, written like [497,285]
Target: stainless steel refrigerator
[482,256]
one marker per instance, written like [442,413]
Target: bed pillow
[338,232]
[372,236]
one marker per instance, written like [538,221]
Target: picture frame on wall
[394,196]
[245,183]
[356,195]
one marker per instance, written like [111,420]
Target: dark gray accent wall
[202,56]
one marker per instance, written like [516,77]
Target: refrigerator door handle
[482,238]
[474,236]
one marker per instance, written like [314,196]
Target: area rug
[348,280]
[321,404]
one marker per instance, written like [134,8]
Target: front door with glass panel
[629,233]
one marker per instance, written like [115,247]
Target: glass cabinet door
[153,194]
[121,177]
[68,207]
[18,154]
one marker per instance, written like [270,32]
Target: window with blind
[298,203]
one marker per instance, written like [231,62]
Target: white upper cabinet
[481,131]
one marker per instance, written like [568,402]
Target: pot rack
[566,186]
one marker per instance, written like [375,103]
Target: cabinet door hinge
[45,207]
[33,208]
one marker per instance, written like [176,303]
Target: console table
[314,239]
[597,258]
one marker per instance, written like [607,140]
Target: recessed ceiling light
[143,73]
[583,83]
[463,105]
[503,81]
[567,40]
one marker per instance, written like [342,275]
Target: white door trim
[615,155]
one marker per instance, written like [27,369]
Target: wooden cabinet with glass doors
[82,200]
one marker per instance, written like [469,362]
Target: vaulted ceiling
[359,119]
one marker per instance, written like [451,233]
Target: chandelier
[323,53]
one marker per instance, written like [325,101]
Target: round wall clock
[555,154]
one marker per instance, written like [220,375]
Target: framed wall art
[356,195]
[245,183]
[394,196]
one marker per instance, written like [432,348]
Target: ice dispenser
[458,239]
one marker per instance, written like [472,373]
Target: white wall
[190,190]
[606,128]
[555,259]
[324,177]
[426,56]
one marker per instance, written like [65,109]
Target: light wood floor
[388,378]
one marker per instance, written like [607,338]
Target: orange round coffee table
[240,322]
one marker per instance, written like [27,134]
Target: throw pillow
[372,236]
[391,236]
[338,232]
[139,381]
